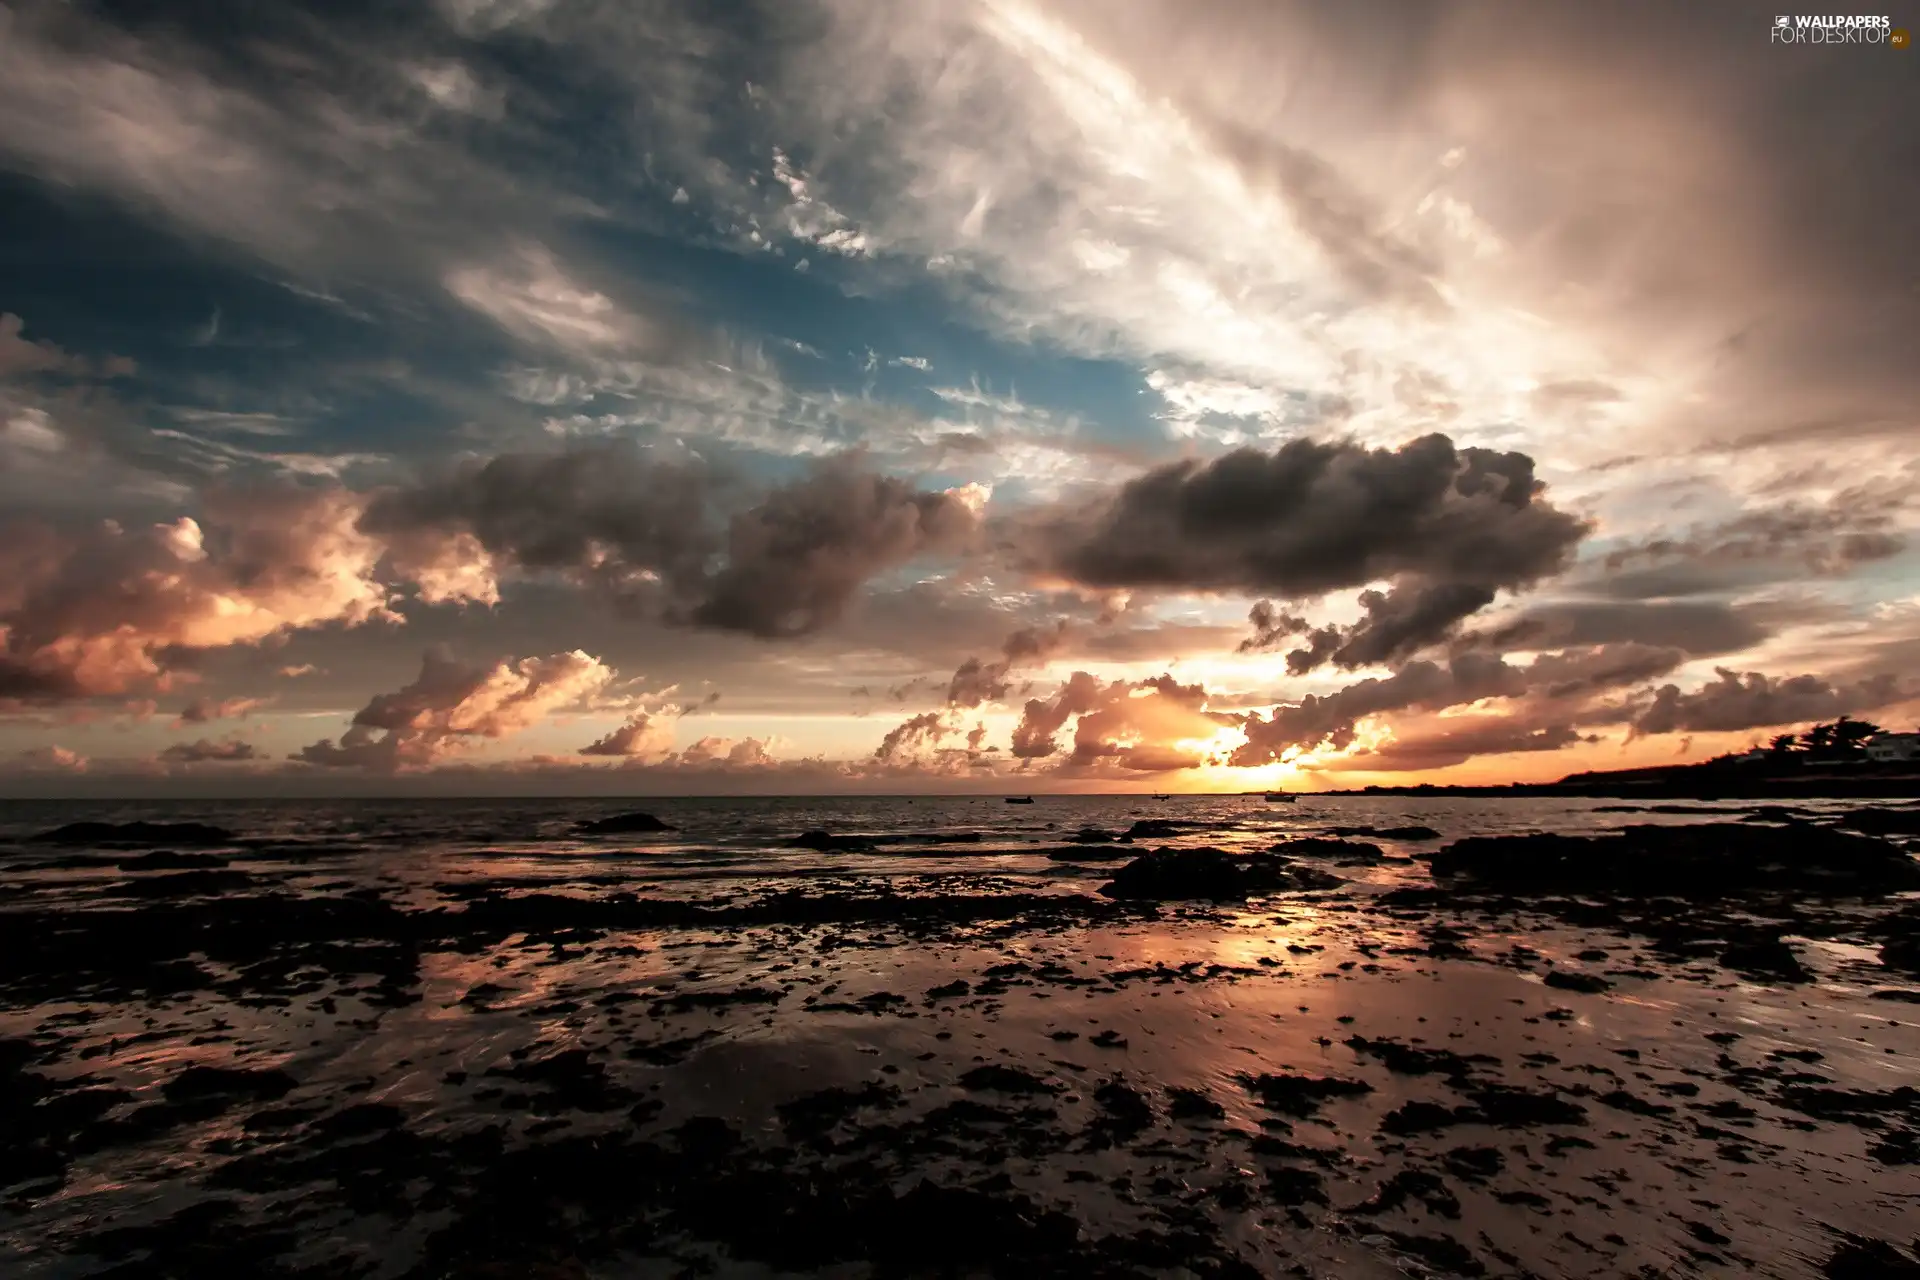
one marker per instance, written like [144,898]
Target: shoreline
[226,1052]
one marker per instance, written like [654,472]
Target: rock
[1586,982]
[1347,851]
[1091,835]
[994,1078]
[1296,1186]
[1209,874]
[136,833]
[168,860]
[1709,859]
[1774,813]
[182,884]
[1884,822]
[827,842]
[1387,833]
[1862,1258]
[1193,1104]
[1301,1095]
[201,1082]
[1154,829]
[1769,959]
[623,824]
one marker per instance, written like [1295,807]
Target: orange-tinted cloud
[452,704]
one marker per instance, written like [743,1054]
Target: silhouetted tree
[1818,739]
[1782,744]
[1851,736]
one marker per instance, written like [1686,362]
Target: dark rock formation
[1884,822]
[827,842]
[623,824]
[1707,859]
[1210,874]
[136,833]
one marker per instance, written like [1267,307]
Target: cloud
[206,751]
[1857,527]
[1271,626]
[1448,526]
[532,297]
[1331,720]
[206,710]
[1700,628]
[728,753]
[112,611]
[975,682]
[795,560]
[1137,725]
[651,533]
[926,729]
[1751,700]
[20,355]
[452,704]
[50,759]
[1461,740]
[644,734]
[1308,518]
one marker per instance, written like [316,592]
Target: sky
[640,397]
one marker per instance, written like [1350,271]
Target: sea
[326,1048]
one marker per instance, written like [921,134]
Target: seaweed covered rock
[1708,858]
[1154,829]
[827,842]
[1343,851]
[1212,875]
[136,833]
[1884,822]
[623,824]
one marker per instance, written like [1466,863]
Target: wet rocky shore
[1204,1044]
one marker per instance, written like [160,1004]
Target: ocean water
[439,1061]
[721,844]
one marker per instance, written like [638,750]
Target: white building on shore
[1888,748]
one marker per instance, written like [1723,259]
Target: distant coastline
[1722,779]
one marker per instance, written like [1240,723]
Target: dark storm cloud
[795,560]
[1401,622]
[1700,628]
[975,682]
[1751,700]
[610,514]
[1271,627]
[1314,517]
[658,534]
[206,750]
[1449,526]
[927,729]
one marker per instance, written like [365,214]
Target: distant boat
[1279,797]
[1019,799]
[1163,797]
